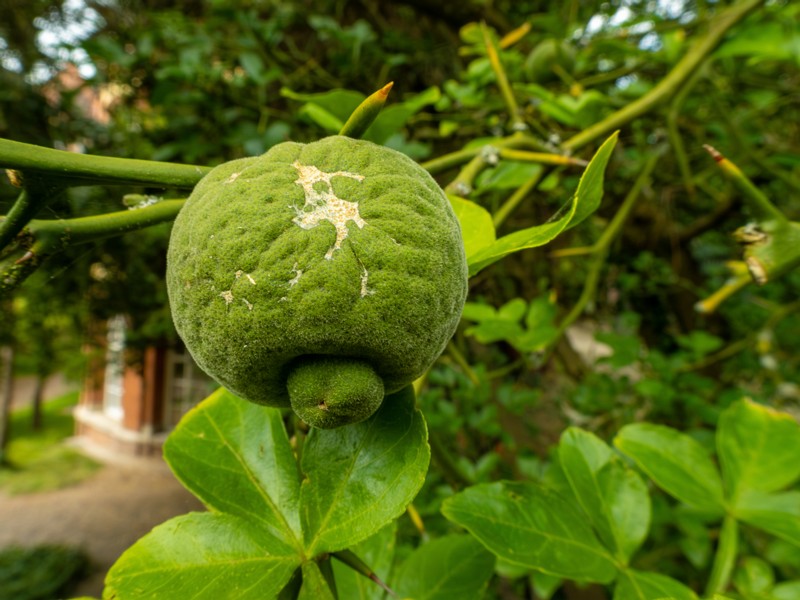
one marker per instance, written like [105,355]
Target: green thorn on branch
[366,113]
[359,566]
[759,203]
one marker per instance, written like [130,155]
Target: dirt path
[104,514]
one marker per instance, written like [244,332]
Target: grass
[40,573]
[39,461]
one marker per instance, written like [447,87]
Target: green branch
[516,198]
[673,81]
[32,198]
[757,200]
[740,345]
[725,557]
[72,169]
[601,248]
[447,161]
[517,124]
[88,229]
[43,238]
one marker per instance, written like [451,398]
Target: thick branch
[71,168]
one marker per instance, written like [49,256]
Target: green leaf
[778,514]
[360,477]
[614,497]
[533,237]
[315,585]
[322,117]
[765,41]
[377,552]
[758,448]
[507,175]
[513,310]
[545,585]
[695,539]
[339,103]
[477,311]
[477,229]
[235,456]
[494,330]
[754,576]
[531,526]
[677,463]
[541,313]
[590,189]
[641,585]
[585,201]
[203,556]
[455,566]
[252,64]
[788,590]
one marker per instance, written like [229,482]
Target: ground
[104,514]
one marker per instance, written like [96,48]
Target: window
[113,387]
[186,385]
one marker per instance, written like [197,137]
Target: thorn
[384,91]
[25,257]
[715,154]
[757,270]
[15,177]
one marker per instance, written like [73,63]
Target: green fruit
[548,53]
[322,276]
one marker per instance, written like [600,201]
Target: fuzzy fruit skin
[256,281]
[328,392]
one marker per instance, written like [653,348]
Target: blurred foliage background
[203,82]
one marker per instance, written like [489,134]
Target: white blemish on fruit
[297,274]
[364,279]
[227,296]
[324,204]
[239,273]
[249,304]
[232,178]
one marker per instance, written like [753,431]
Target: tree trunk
[38,393]
[6,391]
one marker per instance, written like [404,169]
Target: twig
[733,285]
[517,124]
[758,201]
[514,200]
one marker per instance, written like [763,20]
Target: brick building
[130,407]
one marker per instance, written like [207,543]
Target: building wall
[130,407]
